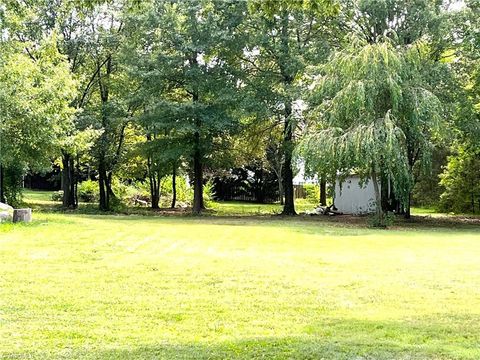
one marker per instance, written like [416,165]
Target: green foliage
[184,191]
[57,195]
[187,71]
[402,21]
[376,114]
[285,37]
[427,189]
[312,193]
[208,193]
[138,90]
[461,181]
[13,184]
[88,191]
[35,104]
[385,220]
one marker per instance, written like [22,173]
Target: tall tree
[286,36]
[109,107]
[461,177]
[377,115]
[29,22]
[35,111]
[184,61]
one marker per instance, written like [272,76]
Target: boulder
[6,212]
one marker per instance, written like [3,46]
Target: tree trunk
[198,204]
[75,180]
[413,155]
[2,189]
[68,182]
[384,181]
[154,190]
[289,206]
[110,193]
[280,190]
[174,187]
[378,200]
[323,191]
[102,179]
[155,196]
[72,183]
[407,206]
[258,181]
[197,181]
[288,77]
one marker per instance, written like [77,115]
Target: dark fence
[241,193]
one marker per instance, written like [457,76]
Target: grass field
[138,287]
[42,201]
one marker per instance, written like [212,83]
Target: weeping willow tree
[374,114]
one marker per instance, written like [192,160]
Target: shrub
[12,184]
[312,193]
[57,195]
[88,191]
[208,193]
[129,193]
[387,220]
[184,191]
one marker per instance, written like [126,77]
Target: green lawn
[42,200]
[138,287]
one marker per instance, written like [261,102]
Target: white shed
[351,198]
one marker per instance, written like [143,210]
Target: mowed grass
[136,287]
[42,201]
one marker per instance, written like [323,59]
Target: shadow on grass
[451,337]
[417,222]
[266,348]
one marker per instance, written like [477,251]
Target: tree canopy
[137,91]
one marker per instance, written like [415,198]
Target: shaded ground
[41,201]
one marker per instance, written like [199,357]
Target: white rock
[5,207]
[6,212]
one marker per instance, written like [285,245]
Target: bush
[460,182]
[184,191]
[208,193]
[129,193]
[387,220]
[88,191]
[13,185]
[312,193]
[57,195]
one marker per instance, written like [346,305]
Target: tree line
[149,89]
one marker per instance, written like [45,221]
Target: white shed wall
[351,198]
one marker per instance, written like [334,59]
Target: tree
[460,181]
[72,21]
[404,22]
[377,116]
[286,36]
[35,111]
[183,59]
[461,176]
